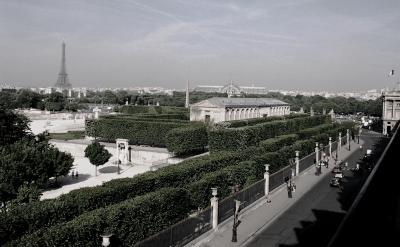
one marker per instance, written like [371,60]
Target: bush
[137,132]
[187,140]
[240,138]
[130,221]
[30,217]
[274,144]
[253,121]
[241,174]
[130,109]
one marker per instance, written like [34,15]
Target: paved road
[313,219]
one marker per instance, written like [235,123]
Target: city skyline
[300,45]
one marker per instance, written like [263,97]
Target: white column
[316,154]
[330,146]
[297,160]
[340,141]
[266,177]
[214,206]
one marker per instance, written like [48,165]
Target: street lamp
[236,220]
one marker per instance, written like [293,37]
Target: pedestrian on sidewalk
[289,189]
[73,174]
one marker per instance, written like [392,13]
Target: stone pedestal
[316,154]
[330,146]
[214,207]
[122,150]
[266,177]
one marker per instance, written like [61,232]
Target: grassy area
[70,135]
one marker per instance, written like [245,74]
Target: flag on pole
[391,73]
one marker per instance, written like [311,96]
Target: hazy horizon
[315,45]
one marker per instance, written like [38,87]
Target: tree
[13,127]
[97,154]
[32,163]
[55,102]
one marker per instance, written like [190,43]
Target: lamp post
[236,220]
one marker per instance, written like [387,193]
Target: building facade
[390,110]
[219,109]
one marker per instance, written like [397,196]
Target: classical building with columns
[219,109]
[391,110]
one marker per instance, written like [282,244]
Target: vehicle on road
[335,182]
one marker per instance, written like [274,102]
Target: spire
[187,94]
[62,80]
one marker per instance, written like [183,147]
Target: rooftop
[230,102]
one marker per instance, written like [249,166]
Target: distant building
[391,110]
[220,109]
[232,89]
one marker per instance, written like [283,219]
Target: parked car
[334,182]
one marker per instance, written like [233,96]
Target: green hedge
[240,138]
[187,140]
[253,121]
[130,221]
[138,132]
[150,118]
[242,174]
[131,109]
[274,144]
[176,116]
[31,217]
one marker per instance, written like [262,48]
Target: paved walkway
[259,216]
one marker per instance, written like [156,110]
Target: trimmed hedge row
[33,216]
[240,138]
[274,144]
[131,109]
[147,119]
[253,121]
[138,132]
[242,174]
[176,116]
[187,140]
[130,221]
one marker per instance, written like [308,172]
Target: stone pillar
[316,153]
[348,138]
[297,160]
[266,177]
[330,146]
[339,141]
[214,206]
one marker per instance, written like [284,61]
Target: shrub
[130,109]
[240,138]
[130,221]
[274,144]
[138,132]
[253,121]
[30,217]
[187,140]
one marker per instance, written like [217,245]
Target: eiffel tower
[62,81]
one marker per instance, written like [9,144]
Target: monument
[63,81]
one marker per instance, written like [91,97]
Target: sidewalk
[261,214]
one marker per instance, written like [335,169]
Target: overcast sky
[331,45]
